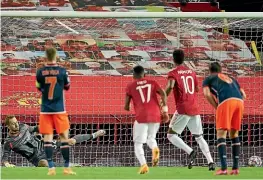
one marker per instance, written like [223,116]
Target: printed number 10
[186,84]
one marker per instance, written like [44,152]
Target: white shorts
[144,131]
[179,122]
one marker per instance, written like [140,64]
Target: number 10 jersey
[186,86]
[144,96]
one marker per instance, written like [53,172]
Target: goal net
[99,51]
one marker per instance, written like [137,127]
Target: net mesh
[99,55]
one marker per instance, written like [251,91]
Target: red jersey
[144,96]
[185,90]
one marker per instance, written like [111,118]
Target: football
[255,161]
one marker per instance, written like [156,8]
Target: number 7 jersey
[144,96]
[51,81]
[185,89]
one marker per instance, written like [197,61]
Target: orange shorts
[49,122]
[229,114]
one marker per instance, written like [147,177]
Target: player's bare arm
[196,84]
[162,93]
[196,89]
[127,102]
[67,82]
[209,97]
[165,116]
[244,95]
[169,87]
[38,84]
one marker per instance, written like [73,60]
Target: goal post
[76,14]
[99,50]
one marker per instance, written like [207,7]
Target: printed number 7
[148,86]
[52,81]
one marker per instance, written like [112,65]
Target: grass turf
[128,173]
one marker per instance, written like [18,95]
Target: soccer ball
[254,161]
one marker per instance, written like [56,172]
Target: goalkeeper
[22,140]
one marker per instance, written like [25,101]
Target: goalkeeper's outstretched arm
[33,129]
[83,137]
[6,155]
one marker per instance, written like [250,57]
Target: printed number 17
[148,96]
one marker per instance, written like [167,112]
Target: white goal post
[75,14]
[99,50]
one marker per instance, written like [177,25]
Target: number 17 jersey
[51,81]
[145,100]
[185,90]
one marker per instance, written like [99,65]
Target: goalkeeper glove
[9,165]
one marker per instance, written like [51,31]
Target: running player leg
[222,126]
[195,127]
[46,127]
[139,138]
[61,122]
[177,125]
[151,142]
[233,134]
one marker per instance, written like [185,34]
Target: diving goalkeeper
[22,140]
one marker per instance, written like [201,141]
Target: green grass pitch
[128,173]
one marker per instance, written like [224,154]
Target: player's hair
[8,118]
[51,54]
[178,56]
[215,67]
[138,70]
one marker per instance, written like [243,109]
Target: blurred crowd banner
[77,5]
[114,46]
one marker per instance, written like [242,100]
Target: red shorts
[49,122]
[229,114]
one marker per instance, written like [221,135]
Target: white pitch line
[65,26]
[129,179]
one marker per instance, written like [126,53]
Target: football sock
[178,142]
[49,153]
[152,143]
[139,153]
[204,148]
[64,148]
[221,145]
[235,152]
[83,137]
